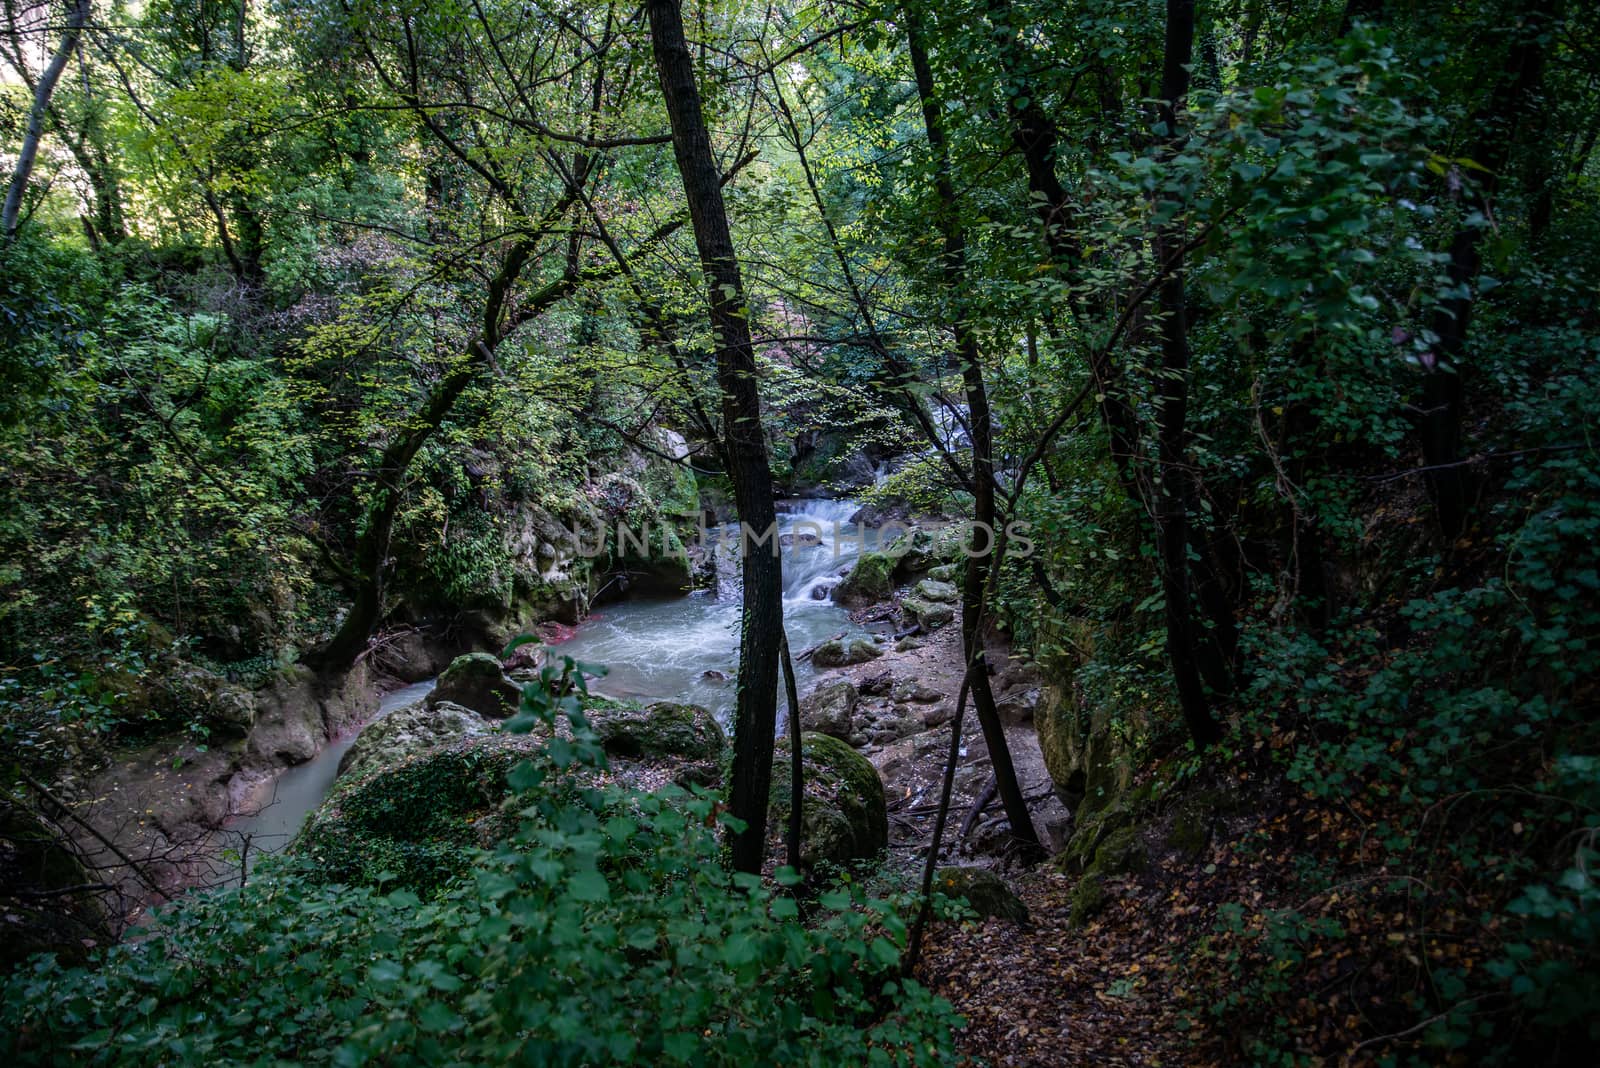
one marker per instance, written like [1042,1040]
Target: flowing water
[274,816]
[687,648]
[680,649]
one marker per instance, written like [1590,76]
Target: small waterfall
[822,542]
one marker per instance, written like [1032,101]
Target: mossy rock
[1121,852]
[920,549]
[844,817]
[929,615]
[414,824]
[984,891]
[839,652]
[1088,900]
[1189,829]
[1091,829]
[410,731]
[950,573]
[660,730]
[1088,756]
[478,682]
[870,580]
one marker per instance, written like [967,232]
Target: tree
[980,427]
[760,634]
[43,90]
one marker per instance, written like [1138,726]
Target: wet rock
[713,675]
[933,590]
[821,593]
[410,731]
[830,709]
[984,891]
[844,817]
[476,681]
[938,715]
[907,645]
[800,539]
[841,653]
[917,691]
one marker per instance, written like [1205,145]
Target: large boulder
[871,579]
[657,731]
[476,681]
[409,731]
[984,891]
[844,816]
[841,652]
[830,709]
[414,823]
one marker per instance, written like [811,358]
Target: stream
[678,649]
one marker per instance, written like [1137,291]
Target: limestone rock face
[840,652]
[656,731]
[297,712]
[844,816]
[830,709]
[476,681]
[1087,759]
[410,731]
[985,891]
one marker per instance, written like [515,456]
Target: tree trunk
[42,92]
[1176,484]
[1499,125]
[756,711]
[977,568]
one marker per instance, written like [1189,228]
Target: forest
[816,532]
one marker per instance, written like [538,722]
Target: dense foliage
[604,930]
[319,322]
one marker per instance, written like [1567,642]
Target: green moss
[1088,900]
[1189,829]
[663,729]
[983,890]
[844,817]
[414,824]
[870,579]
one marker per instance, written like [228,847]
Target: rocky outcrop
[299,711]
[1090,763]
[476,681]
[410,731]
[843,816]
[923,548]
[830,709]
